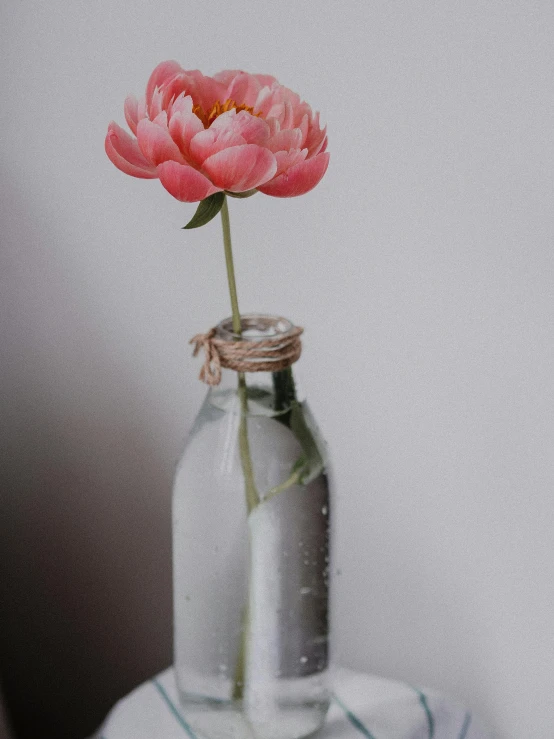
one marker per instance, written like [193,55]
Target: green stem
[252,497]
[226,225]
[238,681]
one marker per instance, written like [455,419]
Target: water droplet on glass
[324,510]
[305,591]
[303,660]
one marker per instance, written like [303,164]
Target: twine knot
[246,355]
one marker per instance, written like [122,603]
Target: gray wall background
[421,268]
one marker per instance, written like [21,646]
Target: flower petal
[265,80]
[264,101]
[288,159]
[156,143]
[275,111]
[299,179]
[124,152]
[184,125]
[157,104]
[181,83]
[285,140]
[241,168]
[131,110]
[184,182]
[293,98]
[226,76]
[301,110]
[319,149]
[243,89]
[304,127]
[288,117]
[160,76]
[274,126]
[253,130]
[207,142]
[230,129]
[203,90]
[181,104]
[315,137]
[283,111]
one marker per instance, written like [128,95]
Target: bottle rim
[255,327]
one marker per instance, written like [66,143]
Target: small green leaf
[311,459]
[245,194]
[310,463]
[207,209]
[284,389]
[293,479]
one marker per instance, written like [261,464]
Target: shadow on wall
[85,543]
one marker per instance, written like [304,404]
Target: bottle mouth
[255,327]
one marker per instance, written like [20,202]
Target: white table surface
[362,706]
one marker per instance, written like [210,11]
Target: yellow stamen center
[217,109]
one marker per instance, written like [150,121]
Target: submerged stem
[238,680]
[252,497]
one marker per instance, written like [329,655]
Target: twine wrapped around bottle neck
[254,354]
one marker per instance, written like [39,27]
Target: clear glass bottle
[251,558]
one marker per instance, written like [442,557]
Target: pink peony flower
[233,132]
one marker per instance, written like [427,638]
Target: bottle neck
[268,336]
[267,393]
